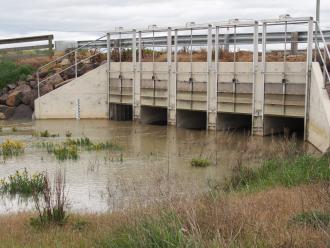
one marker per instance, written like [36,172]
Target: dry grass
[234,220]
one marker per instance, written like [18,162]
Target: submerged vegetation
[12,148]
[22,183]
[70,148]
[200,162]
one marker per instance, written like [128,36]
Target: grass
[70,148]
[200,162]
[46,134]
[88,145]
[315,219]
[12,148]
[163,230]
[304,169]
[66,152]
[11,72]
[22,183]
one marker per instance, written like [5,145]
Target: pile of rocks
[17,99]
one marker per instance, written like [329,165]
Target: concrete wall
[91,89]
[318,123]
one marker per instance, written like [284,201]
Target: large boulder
[44,89]
[15,96]
[6,112]
[3,99]
[22,112]
[29,97]
[53,80]
[12,86]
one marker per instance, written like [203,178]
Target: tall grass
[52,208]
[164,230]
[303,169]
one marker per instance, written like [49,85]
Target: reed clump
[12,148]
[22,183]
[51,206]
[65,152]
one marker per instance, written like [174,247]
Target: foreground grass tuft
[304,169]
[315,219]
[163,231]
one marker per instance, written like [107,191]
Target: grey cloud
[90,17]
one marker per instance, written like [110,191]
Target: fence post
[50,45]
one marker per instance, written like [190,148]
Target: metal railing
[241,38]
[74,65]
[322,53]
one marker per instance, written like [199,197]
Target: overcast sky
[84,19]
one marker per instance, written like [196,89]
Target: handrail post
[38,80]
[75,64]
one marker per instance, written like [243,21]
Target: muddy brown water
[153,164]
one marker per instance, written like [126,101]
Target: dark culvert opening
[287,126]
[191,119]
[121,112]
[234,122]
[154,115]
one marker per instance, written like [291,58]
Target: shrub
[52,208]
[200,162]
[22,183]
[12,148]
[11,72]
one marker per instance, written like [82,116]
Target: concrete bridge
[265,96]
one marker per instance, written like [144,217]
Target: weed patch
[200,162]
[22,183]
[12,148]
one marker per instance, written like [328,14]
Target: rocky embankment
[17,99]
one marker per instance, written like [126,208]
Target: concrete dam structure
[258,92]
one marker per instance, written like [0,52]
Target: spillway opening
[287,126]
[121,112]
[153,115]
[191,119]
[232,122]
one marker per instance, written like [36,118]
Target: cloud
[90,18]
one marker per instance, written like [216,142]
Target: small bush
[12,148]
[315,219]
[200,162]
[11,72]
[22,183]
